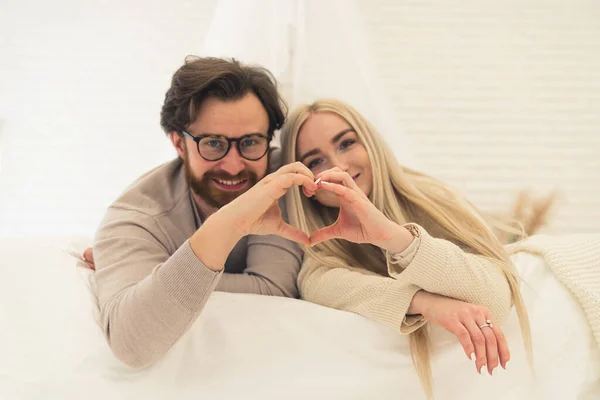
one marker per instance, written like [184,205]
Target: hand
[257,211]
[88,258]
[464,320]
[359,221]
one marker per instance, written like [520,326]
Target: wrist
[420,303]
[214,240]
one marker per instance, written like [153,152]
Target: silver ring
[488,324]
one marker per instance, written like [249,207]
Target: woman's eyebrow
[337,137]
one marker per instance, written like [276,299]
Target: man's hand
[255,212]
[88,257]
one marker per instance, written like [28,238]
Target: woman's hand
[359,221]
[257,211]
[469,322]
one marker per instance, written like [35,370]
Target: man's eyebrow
[221,135]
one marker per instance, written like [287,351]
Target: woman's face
[326,141]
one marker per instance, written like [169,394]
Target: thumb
[323,234]
[291,233]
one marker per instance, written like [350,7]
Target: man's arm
[148,298]
[272,267]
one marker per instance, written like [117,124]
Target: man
[204,221]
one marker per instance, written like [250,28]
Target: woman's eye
[347,143]
[313,163]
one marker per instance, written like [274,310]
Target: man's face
[219,182]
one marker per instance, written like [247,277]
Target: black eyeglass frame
[237,141]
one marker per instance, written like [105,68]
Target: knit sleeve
[382,299]
[272,265]
[147,297]
[430,264]
[441,267]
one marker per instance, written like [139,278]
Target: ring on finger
[488,324]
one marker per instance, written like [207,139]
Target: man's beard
[212,195]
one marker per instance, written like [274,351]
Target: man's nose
[233,162]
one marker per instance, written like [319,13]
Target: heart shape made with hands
[358,221]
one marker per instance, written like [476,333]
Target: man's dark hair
[228,80]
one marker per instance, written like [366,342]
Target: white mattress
[257,347]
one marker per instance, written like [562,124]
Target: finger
[464,337]
[348,194]
[88,255]
[280,184]
[291,233]
[297,168]
[491,346]
[323,234]
[479,342]
[503,350]
[339,177]
[307,192]
[90,265]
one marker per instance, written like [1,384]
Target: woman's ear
[178,142]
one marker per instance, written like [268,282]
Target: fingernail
[480,368]
[492,370]
[504,366]
[471,356]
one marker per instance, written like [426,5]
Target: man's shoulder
[157,191]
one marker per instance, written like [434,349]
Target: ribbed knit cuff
[394,304]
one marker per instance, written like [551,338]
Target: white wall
[82,84]
[499,96]
[496,96]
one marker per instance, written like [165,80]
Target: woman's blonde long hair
[403,195]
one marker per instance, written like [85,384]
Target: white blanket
[257,347]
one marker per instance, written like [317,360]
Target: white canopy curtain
[315,48]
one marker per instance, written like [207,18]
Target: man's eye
[249,142]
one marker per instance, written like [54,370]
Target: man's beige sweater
[152,287]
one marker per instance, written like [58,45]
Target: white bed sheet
[258,347]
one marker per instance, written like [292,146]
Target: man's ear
[178,142]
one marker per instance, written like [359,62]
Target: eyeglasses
[252,147]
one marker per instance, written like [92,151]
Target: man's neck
[204,209]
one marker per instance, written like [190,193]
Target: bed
[258,347]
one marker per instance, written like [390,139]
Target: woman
[411,249]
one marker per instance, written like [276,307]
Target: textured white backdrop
[494,96]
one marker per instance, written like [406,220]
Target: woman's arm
[439,266]
[382,299]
